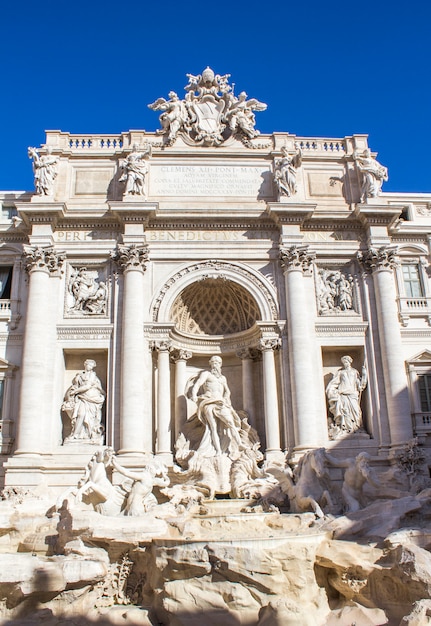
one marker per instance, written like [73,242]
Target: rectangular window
[5,282]
[425,392]
[412,281]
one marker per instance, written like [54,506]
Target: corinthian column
[309,413]
[135,433]
[180,358]
[38,360]
[163,429]
[270,396]
[382,262]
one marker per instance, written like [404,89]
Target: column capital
[379,259]
[296,258]
[45,259]
[179,354]
[133,257]
[161,345]
[252,354]
[269,343]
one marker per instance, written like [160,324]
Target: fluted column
[38,360]
[270,395]
[248,356]
[309,413]
[163,428]
[135,434]
[382,262]
[180,358]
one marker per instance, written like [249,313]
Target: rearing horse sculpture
[307,486]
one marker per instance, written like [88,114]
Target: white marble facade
[146,253]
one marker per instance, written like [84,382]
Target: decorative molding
[86,333]
[326,328]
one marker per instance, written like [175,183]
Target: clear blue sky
[324,69]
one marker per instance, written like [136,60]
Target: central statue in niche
[222,423]
[218,450]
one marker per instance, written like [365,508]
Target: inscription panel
[210,180]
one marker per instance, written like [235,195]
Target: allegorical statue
[344,396]
[373,174]
[135,169]
[222,424]
[285,170]
[83,403]
[174,115]
[45,171]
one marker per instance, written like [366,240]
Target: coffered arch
[234,282]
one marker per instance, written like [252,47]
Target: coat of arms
[210,113]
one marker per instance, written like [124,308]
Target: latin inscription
[84,235]
[209,180]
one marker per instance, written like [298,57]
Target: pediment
[7,366]
[422,358]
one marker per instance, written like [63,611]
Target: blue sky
[324,68]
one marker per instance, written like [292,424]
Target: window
[412,281]
[425,392]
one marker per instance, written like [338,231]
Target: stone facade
[146,253]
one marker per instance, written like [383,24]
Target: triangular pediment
[7,366]
[421,358]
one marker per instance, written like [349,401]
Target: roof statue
[210,113]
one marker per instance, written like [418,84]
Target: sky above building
[325,69]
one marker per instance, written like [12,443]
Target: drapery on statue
[215,411]
[83,405]
[135,169]
[344,396]
[372,172]
[285,172]
[45,171]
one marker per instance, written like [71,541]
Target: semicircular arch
[261,290]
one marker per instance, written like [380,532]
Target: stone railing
[414,307]
[107,144]
[422,422]
[321,145]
